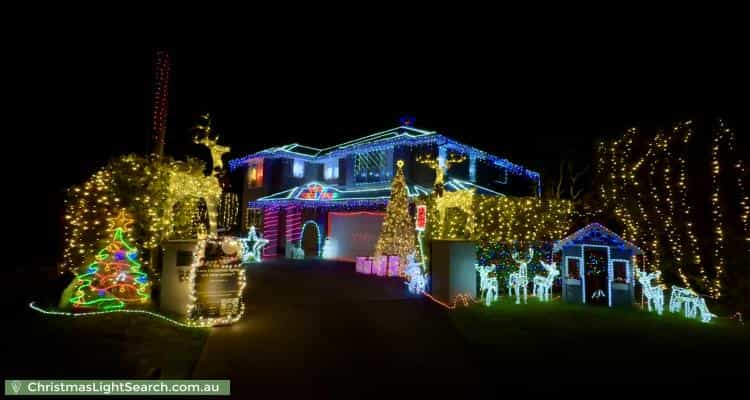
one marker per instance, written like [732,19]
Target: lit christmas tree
[397,233]
[115,278]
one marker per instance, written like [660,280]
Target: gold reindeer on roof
[202,135]
[440,170]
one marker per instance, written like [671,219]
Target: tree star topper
[122,220]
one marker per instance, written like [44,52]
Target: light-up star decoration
[122,221]
[252,246]
[204,136]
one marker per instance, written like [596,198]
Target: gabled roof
[401,135]
[318,194]
[595,234]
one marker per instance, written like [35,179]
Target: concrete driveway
[319,323]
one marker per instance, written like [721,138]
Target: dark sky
[532,104]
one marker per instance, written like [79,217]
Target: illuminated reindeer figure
[203,135]
[440,170]
[692,302]
[543,284]
[654,293]
[520,280]
[488,287]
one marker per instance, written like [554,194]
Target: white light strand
[34,307]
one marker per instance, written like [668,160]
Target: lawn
[578,343]
[105,346]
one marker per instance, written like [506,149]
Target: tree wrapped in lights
[162,195]
[114,279]
[648,185]
[397,234]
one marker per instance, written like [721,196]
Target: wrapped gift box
[393,266]
[380,266]
[364,265]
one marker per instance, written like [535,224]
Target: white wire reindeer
[692,303]
[654,293]
[543,284]
[520,280]
[488,286]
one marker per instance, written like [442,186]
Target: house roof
[314,194]
[595,234]
[401,135]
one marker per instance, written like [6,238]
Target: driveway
[318,322]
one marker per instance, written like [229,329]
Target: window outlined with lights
[373,167]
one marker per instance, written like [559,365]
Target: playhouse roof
[401,135]
[595,234]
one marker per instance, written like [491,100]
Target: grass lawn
[116,345]
[579,343]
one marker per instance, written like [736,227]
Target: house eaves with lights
[294,191]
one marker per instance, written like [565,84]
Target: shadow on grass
[115,345]
[578,343]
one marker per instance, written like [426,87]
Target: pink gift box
[364,265]
[380,266]
[393,266]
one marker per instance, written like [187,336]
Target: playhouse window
[574,269]
[620,270]
[372,167]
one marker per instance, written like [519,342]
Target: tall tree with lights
[397,234]
[114,279]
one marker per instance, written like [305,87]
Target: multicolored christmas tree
[114,279]
[397,237]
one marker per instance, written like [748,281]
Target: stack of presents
[380,266]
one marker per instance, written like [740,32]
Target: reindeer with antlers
[543,284]
[654,293]
[440,170]
[488,286]
[520,280]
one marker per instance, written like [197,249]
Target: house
[298,195]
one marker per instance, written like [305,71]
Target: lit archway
[309,243]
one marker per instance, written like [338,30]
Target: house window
[298,168]
[620,271]
[331,169]
[255,174]
[574,269]
[373,167]
[254,217]
[473,167]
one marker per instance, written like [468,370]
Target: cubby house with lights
[331,201]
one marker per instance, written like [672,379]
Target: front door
[597,290]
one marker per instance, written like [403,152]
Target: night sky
[531,104]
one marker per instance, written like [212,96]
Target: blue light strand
[406,139]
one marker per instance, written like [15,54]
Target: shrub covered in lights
[499,225]
[163,196]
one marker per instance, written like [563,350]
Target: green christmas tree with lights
[397,233]
[114,280]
